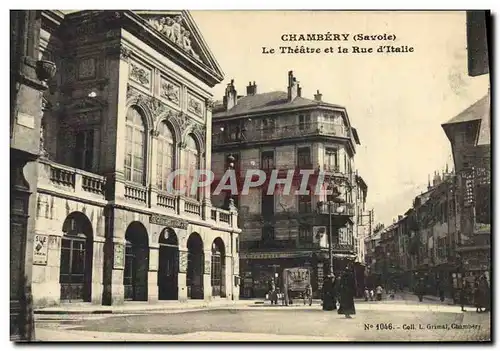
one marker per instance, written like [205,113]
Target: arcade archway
[135,274]
[168,266]
[75,276]
[194,276]
[218,270]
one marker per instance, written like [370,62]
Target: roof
[275,100]
[480,110]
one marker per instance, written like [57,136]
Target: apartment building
[286,132]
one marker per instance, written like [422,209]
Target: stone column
[181,276]
[153,274]
[153,177]
[228,277]
[114,130]
[236,273]
[207,202]
[114,259]
[97,270]
[207,269]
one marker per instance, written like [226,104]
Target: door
[216,274]
[129,272]
[168,272]
[73,277]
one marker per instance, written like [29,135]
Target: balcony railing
[136,193]
[220,215]
[166,201]
[335,207]
[70,179]
[190,206]
[282,132]
[224,216]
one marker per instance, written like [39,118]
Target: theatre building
[129,104]
[286,132]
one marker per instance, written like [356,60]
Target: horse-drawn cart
[297,285]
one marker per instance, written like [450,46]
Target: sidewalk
[139,306]
[43,335]
[411,296]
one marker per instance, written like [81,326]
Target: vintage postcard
[250,175]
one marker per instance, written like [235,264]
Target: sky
[397,102]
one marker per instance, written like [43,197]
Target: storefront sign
[273,255]
[40,249]
[168,221]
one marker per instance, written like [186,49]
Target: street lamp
[339,210]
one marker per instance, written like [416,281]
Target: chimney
[318,96]
[294,89]
[400,217]
[231,97]
[251,88]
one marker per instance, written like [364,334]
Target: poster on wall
[119,257]
[183,261]
[40,249]
[208,266]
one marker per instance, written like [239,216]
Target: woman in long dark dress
[328,294]
[478,298]
[347,292]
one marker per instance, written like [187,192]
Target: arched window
[135,148]
[192,162]
[165,156]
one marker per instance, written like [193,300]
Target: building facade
[287,133]
[469,135]
[421,244]
[130,104]
[28,77]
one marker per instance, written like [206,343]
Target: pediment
[179,29]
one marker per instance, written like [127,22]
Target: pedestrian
[308,294]
[441,292]
[272,292]
[327,294]
[337,286]
[419,290]
[485,293]
[378,292]
[463,295]
[347,292]
[478,299]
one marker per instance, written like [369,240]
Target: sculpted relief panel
[169,91]
[195,105]
[140,74]
[173,29]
